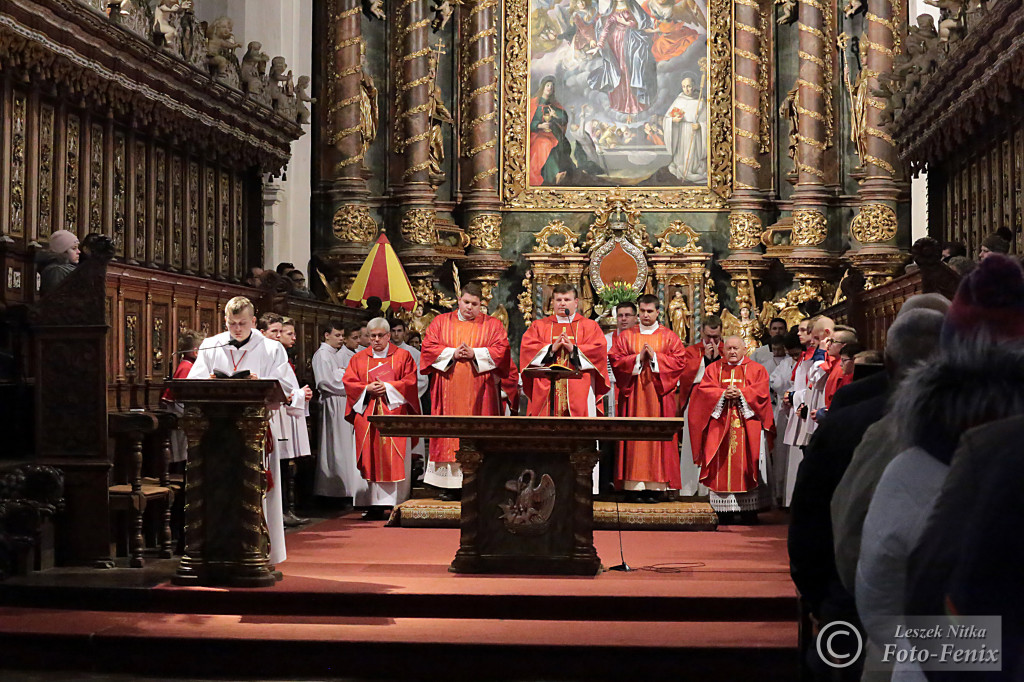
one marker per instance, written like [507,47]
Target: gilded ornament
[711,304]
[353,223]
[484,231]
[678,227]
[745,230]
[418,226]
[559,229]
[809,228]
[525,299]
[875,223]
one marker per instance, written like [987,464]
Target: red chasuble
[727,448]
[460,389]
[836,380]
[510,385]
[693,357]
[648,394]
[380,459]
[571,395]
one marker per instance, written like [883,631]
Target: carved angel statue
[253,63]
[789,111]
[531,505]
[377,9]
[439,115]
[302,113]
[421,319]
[282,87]
[788,14]
[924,32]
[951,19]
[679,316]
[748,328]
[367,104]
[443,10]
[220,39]
[165,32]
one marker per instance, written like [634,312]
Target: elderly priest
[242,350]
[731,420]
[381,380]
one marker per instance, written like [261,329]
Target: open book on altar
[240,374]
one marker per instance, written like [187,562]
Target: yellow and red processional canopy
[383,276]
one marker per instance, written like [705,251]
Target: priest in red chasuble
[565,339]
[647,361]
[731,427]
[381,379]
[464,353]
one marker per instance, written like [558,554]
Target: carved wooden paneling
[96,178]
[209,268]
[160,206]
[120,194]
[131,331]
[185,317]
[238,232]
[44,175]
[224,226]
[140,190]
[192,234]
[160,337]
[177,212]
[72,171]
[19,142]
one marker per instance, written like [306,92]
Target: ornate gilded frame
[516,193]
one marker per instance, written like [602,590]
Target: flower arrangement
[614,293]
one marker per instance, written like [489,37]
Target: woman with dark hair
[550,151]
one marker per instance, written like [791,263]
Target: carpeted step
[401,648]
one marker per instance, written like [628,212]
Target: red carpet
[382,600]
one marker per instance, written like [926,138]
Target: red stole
[648,394]
[380,459]
[727,448]
[461,389]
[181,372]
[571,395]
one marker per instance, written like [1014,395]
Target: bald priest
[731,428]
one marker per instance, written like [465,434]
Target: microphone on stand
[623,567]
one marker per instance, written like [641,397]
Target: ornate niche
[619,250]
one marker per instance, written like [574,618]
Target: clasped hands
[464,352]
[732,393]
[561,342]
[377,389]
[646,354]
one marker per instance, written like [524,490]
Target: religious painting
[629,94]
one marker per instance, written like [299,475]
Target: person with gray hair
[972,382]
[913,338]
[380,380]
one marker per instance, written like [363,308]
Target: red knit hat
[990,300]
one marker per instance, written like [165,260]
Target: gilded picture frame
[519,193]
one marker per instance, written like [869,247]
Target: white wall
[284,27]
[919,185]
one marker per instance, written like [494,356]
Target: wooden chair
[132,495]
[156,473]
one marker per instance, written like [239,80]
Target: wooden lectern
[553,375]
[527,506]
[226,538]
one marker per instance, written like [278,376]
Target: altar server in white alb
[240,348]
[336,472]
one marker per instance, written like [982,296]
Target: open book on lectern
[240,374]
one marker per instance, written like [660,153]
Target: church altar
[526,493]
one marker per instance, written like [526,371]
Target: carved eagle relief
[529,507]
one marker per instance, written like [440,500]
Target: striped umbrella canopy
[383,276]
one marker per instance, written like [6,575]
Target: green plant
[615,293]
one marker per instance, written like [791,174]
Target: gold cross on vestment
[733,381]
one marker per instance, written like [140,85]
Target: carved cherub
[164,30]
[220,40]
[377,9]
[281,83]
[302,115]
[925,32]
[788,13]
[884,91]
[443,10]
[951,19]
[252,68]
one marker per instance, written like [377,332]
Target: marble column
[747,204]
[815,134]
[479,162]
[875,227]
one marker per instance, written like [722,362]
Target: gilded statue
[421,319]
[439,116]
[789,111]
[368,114]
[679,316]
[858,93]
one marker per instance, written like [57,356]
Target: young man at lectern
[243,349]
[565,339]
